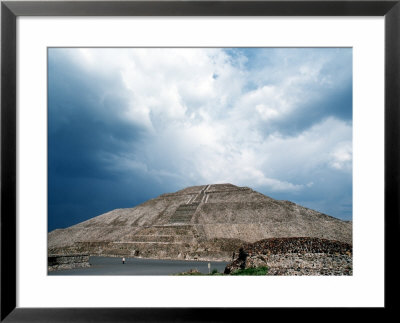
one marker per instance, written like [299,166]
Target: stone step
[166,230]
[184,213]
[159,238]
[152,242]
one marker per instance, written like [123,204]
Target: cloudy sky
[128,124]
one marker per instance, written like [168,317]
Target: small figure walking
[123,260]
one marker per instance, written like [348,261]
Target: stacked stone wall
[297,245]
[58,262]
[309,264]
[214,249]
[296,256]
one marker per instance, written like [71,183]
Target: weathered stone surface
[207,222]
[296,256]
[56,262]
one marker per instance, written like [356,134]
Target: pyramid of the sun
[198,222]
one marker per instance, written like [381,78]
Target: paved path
[138,266]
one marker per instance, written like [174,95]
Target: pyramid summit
[199,222]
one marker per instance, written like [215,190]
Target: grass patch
[215,272]
[259,271]
[195,272]
[191,272]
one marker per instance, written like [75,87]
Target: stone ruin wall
[214,249]
[296,256]
[59,262]
[308,264]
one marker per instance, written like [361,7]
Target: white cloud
[342,156]
[203,120]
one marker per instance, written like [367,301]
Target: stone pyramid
[207,222]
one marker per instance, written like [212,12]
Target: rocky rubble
[296,256]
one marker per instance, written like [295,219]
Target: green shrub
[259,271]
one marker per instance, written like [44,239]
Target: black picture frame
[10,10]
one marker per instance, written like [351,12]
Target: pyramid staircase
[184,213]
[165,234]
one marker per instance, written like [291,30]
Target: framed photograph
[143,141]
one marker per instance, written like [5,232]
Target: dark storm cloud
[84,125]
